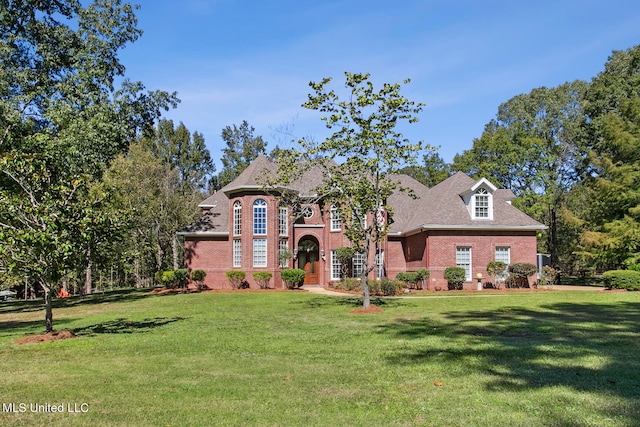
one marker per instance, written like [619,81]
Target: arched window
[260,217]
[237,218]
[482,206]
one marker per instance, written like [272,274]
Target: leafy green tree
[370,149]
[534,147]
[61,121]
[432,171]
[242,148]
[183,151]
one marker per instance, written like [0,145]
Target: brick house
[459,222]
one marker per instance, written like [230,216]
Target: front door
[308,256]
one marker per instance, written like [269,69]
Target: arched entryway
[308,259]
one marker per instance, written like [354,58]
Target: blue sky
[231,61]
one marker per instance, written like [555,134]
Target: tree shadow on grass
[522,349]
[125,326]
[353,302]
[120,295]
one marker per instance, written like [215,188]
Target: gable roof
[441,207]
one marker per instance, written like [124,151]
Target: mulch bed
[50,336]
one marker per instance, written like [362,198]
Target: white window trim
[259,252]
[335,220]
[283,221]
[237,253]
[257,205]
[469,272]
[237,218]
[336,266]
[486,193]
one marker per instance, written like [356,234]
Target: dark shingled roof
[421,208]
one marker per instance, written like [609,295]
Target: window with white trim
[503,253]
[336,223]
[283,221]
[260,217]
[237,253]
[463,260]
[259,252]
[481,203]
[336,267]
[283,248]
[237,218]
[358,264]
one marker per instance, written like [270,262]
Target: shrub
[547,276]
[455,277]
[181,276]
[168,278]
[407,277]
[496,269]
[520,272]
[292,278]
[634,267]
[622,279]
[422,274]
[236,278]
[198,276]
[262,278]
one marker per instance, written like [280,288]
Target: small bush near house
[349,284]
[455,277]
[181,276]
[422,274]
[292,278]
[262,278]
[622,279]
[409,278]
[236,278]
[520,271]
[168,279]
[496,269]
[198,276]
[547,276]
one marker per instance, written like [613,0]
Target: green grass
[561,358]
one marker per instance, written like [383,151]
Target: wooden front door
[308,256]
[311,273]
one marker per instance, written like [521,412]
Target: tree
[370,149]
[184,152]
[433,170]
[534,147]
[61,121]
[242,148]
[611,220]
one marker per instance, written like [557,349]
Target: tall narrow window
[283,221]
[336,270]
[237,253]
[463,260]
[283,253]
[482,203]
[336,223]
[259,252]
[358,264]
[260,217]
[237,218]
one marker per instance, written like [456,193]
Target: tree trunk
[174,250]
[48,311]
[87,277]
[366,298]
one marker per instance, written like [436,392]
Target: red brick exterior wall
[434,250]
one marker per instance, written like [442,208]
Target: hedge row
[622,279]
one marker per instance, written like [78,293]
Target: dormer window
[481,203]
